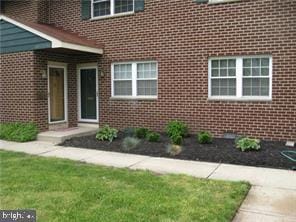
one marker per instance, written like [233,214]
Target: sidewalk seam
[208,177]
[134,164]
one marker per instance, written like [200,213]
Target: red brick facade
[180,35]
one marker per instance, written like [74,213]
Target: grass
[64,190]
[19,132]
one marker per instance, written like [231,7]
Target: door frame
[79,68]
[63,66]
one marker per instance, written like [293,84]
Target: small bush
[107,133]
[18,132]
[130,143]
[204,137]
[129,132]
[141,132]
[176,127]
[174,149]
[176,139]
[246,144]
[153,137]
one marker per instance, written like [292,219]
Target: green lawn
[64,190]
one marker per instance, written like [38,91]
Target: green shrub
[204,137]
[176,130]
[18,132]
[153,137]
[176,127]
[107,133]
[129,132]
[130,143]
[173,149]
[141,132]
[176,139]
[246,144]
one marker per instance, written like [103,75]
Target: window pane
[101,8]
[215,72]
[247,62]
[231,72]
[146,87]
[265,62]
[146,71]
[223,72]
[255,71]
[255,62]
[264,71]
[123,88]
[232,63]
[223,87]
[215,63]
[124,6]
[123,71]
[255,86]
[247,71]
[223,63]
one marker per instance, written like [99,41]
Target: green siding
[16,39]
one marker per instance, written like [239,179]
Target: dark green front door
[88,94]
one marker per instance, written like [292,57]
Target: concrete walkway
[272,197]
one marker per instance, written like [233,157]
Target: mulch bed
[221,150]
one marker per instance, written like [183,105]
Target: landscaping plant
[174,149]
[129,132]
[130,143]
[204,137]
[141,132]
[153,137]
[18,132]
[246,144]
[176,130]
[176,127]
[107,133]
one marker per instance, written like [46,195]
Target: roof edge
[56,43]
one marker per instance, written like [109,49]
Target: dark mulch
[221,150]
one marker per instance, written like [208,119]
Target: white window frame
[112,10]
[134,80]
[221,1]
[239,79]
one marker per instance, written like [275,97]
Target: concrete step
[59,136]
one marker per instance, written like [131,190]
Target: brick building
[218,65]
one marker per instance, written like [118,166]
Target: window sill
[58,122]
[111,16]
[243,99]
[215,2]
[133,98]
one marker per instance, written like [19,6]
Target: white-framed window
[240,78]
[221,1]
[106,8]
[134,79]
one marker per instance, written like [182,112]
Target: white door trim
[63,66]
[79,68]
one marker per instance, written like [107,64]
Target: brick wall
[181,35]
[16,87]
[30,10]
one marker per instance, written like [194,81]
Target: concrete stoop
[59,136]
